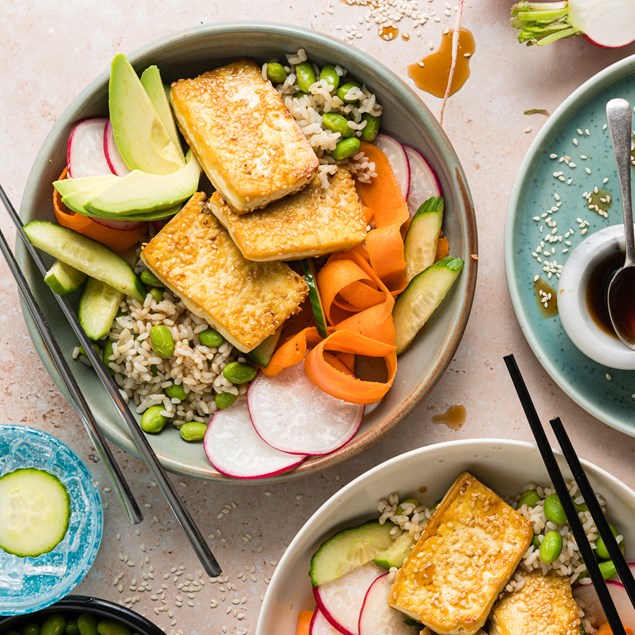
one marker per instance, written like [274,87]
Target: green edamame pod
[554,511]
[87,624]
[54,625]
[346,148]
[193,431]
[344,92]
[224,400]
[152,421]
[276,73]
[162,341]
[210,337]
[238,373]
[71,628]
[147,277]
[329,74]
[157,294]
[529,498]
[110,627]
[371,129]
[305,76]
[550,547]
[176,391]
[336,123]
[31,629]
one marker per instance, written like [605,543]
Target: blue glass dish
[31,584]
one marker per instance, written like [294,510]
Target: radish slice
[293,415]
[423,180]
[587,598]
[234,449]
[85,150]
[113,156]
[376,617]
[396,154]
[123,225]
[320,625]
[341,600]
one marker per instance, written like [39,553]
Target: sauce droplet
[388,32]
[432,72]
[598,200]
[547,298]
[454,417]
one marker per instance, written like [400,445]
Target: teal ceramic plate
[571,156]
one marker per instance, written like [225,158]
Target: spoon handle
[619,115]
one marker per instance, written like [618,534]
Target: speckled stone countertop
[50,51]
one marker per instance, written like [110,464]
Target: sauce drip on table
[432,72]
[547,298]
[454,417]
[388,33]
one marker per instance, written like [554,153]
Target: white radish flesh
[293,415]
[586,596]
[321,626]
[113,156]
[396,154]
[607,23]
[377,618]
[85,151]
[234,449]
[341,600]
[423,180]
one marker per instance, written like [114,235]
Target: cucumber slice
[314,297]
[349,549]
[87,255]
[263,353]
[98,306]
[396,553]
[420,244]
[422,296]
[63,278]
[35,510]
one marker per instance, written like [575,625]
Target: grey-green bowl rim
[458,183]
[594,85]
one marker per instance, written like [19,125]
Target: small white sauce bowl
[587,336]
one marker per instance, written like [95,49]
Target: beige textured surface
[50,51]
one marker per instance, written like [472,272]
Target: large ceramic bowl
[427,473]
[189,53]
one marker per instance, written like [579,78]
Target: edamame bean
[276,73]
[176,391]
[336,123]
[344,90]
[193,431]
[371,129]
[210,337]
[346,148]
[31,629]
[329,74]
[224,400]
[87,624]
[147,277]
[529,498]
[162,341]
[110,627]
[71,628]
[409,501]
[54,625]
[152,421]
[239,373]
[554,511]
[157,294]
[600,546]
[607,569]
[580,507]
[305,76]
[550,547]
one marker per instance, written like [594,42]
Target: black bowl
[76,605]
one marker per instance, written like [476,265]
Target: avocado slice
[396,553]
[141,136]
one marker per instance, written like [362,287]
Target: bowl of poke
[260,228]
[461,537]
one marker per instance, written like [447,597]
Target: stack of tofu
[223,257]
[453,579]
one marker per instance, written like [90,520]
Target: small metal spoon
[621,290]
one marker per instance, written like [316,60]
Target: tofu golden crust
[242,134]
[194,256]
[468,551]
[313,222]
[543,606]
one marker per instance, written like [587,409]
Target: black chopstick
[193,533]
[560,486]
[595,509]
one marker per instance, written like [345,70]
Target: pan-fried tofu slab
[194,256]
[468,551]
[313,222]
[242,134]
[543,606]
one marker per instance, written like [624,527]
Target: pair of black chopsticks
[590,499]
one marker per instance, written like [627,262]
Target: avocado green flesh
[67,187]
[140,135]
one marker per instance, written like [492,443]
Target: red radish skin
[321,626]
[376,617]
[286,408]
[341,600]
[122,225]
[398,159]
[252,458]
[424,181]
[113,156]
[85,149]
[586,595]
